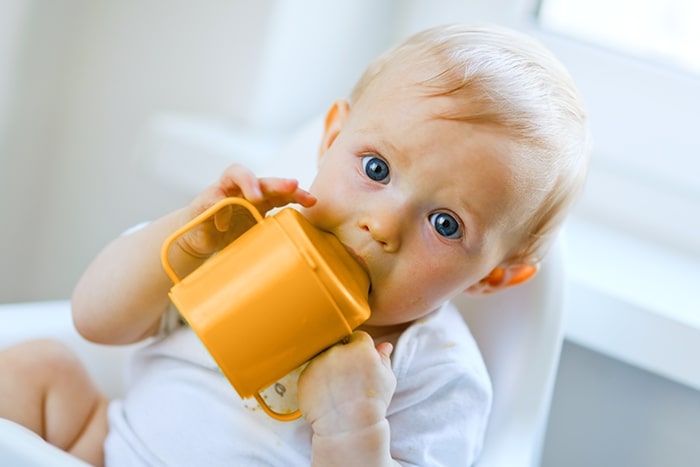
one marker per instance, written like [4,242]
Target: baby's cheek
[324,214]
[317,216]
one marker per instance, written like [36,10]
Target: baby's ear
[335,119]
[502,277]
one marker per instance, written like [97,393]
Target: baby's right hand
[229,223]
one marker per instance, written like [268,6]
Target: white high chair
[520,334]
[518,330]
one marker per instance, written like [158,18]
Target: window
[633,261]
[645,114]
[665,31]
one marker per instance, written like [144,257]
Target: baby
[449,170]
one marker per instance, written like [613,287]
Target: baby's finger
[361,338]
[222,219]
[304,198]
[281,191]
[385,349]
[276,186]
[238,180]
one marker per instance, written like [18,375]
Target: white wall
[86,79]
[87,75]
[11,22]
[28,133]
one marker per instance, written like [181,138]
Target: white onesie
[179,410]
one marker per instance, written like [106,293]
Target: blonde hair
[509,80]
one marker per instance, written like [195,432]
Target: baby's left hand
[347,388]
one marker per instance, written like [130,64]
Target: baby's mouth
[361,261]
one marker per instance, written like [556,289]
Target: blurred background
[112,113]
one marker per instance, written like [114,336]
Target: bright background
[112,113]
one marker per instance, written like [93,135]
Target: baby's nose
[385,228]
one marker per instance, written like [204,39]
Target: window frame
[645,168]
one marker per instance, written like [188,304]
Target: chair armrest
[52,319]
[20,446]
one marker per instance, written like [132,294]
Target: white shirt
[179,410]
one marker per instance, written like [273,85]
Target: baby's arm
[344,394]
[123,293]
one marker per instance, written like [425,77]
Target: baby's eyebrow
[392,147]
[380,140]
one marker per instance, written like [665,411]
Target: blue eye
[376,168]
[446,225]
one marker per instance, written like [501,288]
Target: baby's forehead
[397,76]
[442,98]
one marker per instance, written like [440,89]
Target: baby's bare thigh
[46,388]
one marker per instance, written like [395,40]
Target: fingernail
[257,192]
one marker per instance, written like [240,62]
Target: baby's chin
[399,311]
[380,331]
[392,316]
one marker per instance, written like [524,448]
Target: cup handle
[195,222]
[283,417]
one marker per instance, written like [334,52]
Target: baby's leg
[45,388]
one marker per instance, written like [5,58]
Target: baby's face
[422,202]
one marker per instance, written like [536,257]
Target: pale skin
[386,188]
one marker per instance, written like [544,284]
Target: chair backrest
[519,332]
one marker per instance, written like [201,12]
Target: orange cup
[271,300]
